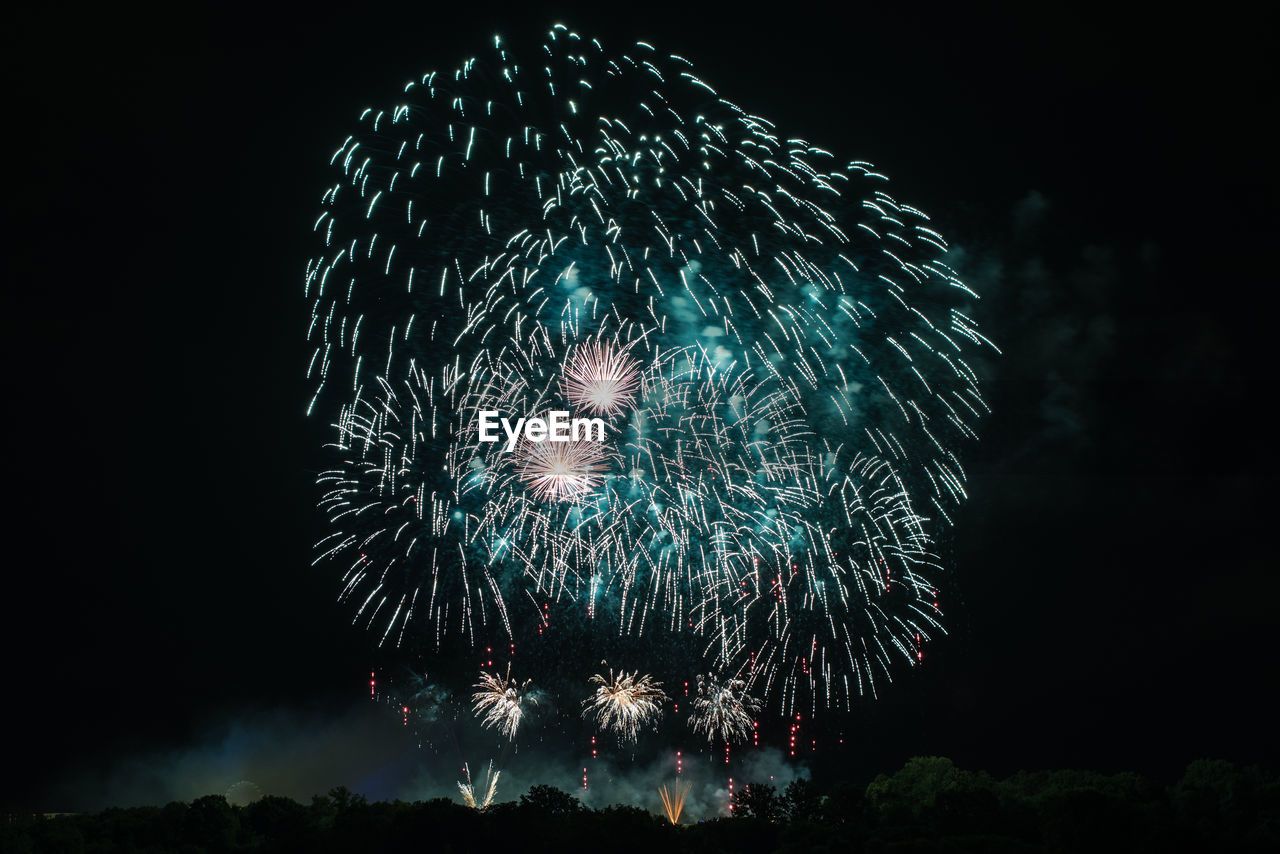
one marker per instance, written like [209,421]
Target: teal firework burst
[778,347]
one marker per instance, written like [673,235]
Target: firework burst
[599,379]
[624,702]
[723,710]
[501,701]
[780,343]
[561,471]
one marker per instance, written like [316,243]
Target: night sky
[1110,184]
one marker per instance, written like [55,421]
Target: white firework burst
[624,702]
[561,471]
[600,378]
[723,710]
[500,702]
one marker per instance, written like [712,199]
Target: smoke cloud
[303,754]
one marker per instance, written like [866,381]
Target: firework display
[774,346]
[624,702]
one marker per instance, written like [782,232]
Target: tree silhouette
[758,800]
[802,801]
[548,800]
[927,805]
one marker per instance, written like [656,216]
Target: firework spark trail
[625,702]
[723,710]
[779,345]
[500,702]
[673,799]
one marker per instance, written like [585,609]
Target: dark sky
[1111,183]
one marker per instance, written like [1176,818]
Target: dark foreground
[930,805]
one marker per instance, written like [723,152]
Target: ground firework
[624,702]
[778,346]
[488,789]
[673,799]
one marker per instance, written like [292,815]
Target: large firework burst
[624,702]
[778,343]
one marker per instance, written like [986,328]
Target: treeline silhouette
[929,805]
